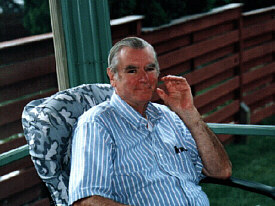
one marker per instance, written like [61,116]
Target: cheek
[153,78]
[130,82]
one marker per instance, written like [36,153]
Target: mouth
[144,88]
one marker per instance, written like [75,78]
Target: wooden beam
[59,45]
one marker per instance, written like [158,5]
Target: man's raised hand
[178,96]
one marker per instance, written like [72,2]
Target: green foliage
[37,16]
[10,7]
[175,8]
[153,11]
[121,8]
[156,12]
[11,23]
[159,12]
[195,6]
[255,4]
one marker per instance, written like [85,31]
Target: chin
[145,99]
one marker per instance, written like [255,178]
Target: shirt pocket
[176,159]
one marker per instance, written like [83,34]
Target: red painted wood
[257,62]
[12,144]
[258,51]
[258,73]
[214,80]
[214,55]
[255,41]
[30,50]
[197,24]
[213,31]
[260,94]
[262,113]
[221,115]
[32,196]
[211,70]
[198,49]
[13,111]
[28,69]
[252,86]
[8,130]
[16,165]
[252,18]
[25,180]
[216,93]
[172,44]
[262,103]
[28,87]
[258,29]
[218,102]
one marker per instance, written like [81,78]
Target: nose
[143,77]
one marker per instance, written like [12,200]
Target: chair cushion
[48,124]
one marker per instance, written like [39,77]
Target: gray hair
[132,42]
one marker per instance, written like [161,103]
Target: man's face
[137,76]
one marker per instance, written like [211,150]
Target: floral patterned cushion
[48,124]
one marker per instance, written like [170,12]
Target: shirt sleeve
[91,162]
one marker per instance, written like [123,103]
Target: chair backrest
[48,124]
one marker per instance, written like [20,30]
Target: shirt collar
[131,115]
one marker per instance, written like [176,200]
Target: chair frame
[217,128]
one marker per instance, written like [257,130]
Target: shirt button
[160,155]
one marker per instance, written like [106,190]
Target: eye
[131,71]
[151,68]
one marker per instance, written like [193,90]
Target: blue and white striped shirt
[118,154]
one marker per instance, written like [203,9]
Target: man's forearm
[214,157]
[180,100]
[96,201]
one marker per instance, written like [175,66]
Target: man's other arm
[179,98]
[96,201]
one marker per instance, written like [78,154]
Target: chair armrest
[242,129]
[13,155]
[251,186]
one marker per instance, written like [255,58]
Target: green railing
[242,129]
[232,129]
[13,155]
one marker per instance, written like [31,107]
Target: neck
[140,109]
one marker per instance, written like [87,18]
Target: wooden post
[241,51]
[59,45]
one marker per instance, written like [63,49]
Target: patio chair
[48,125]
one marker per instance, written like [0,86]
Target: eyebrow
[129,67]
[151,65]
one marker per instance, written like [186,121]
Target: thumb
[162,94]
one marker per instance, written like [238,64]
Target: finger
[172,81]
[162,94]
[172,78]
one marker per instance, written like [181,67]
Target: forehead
[128,55]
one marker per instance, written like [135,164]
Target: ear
[111,76]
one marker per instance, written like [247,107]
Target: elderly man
[131,151]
